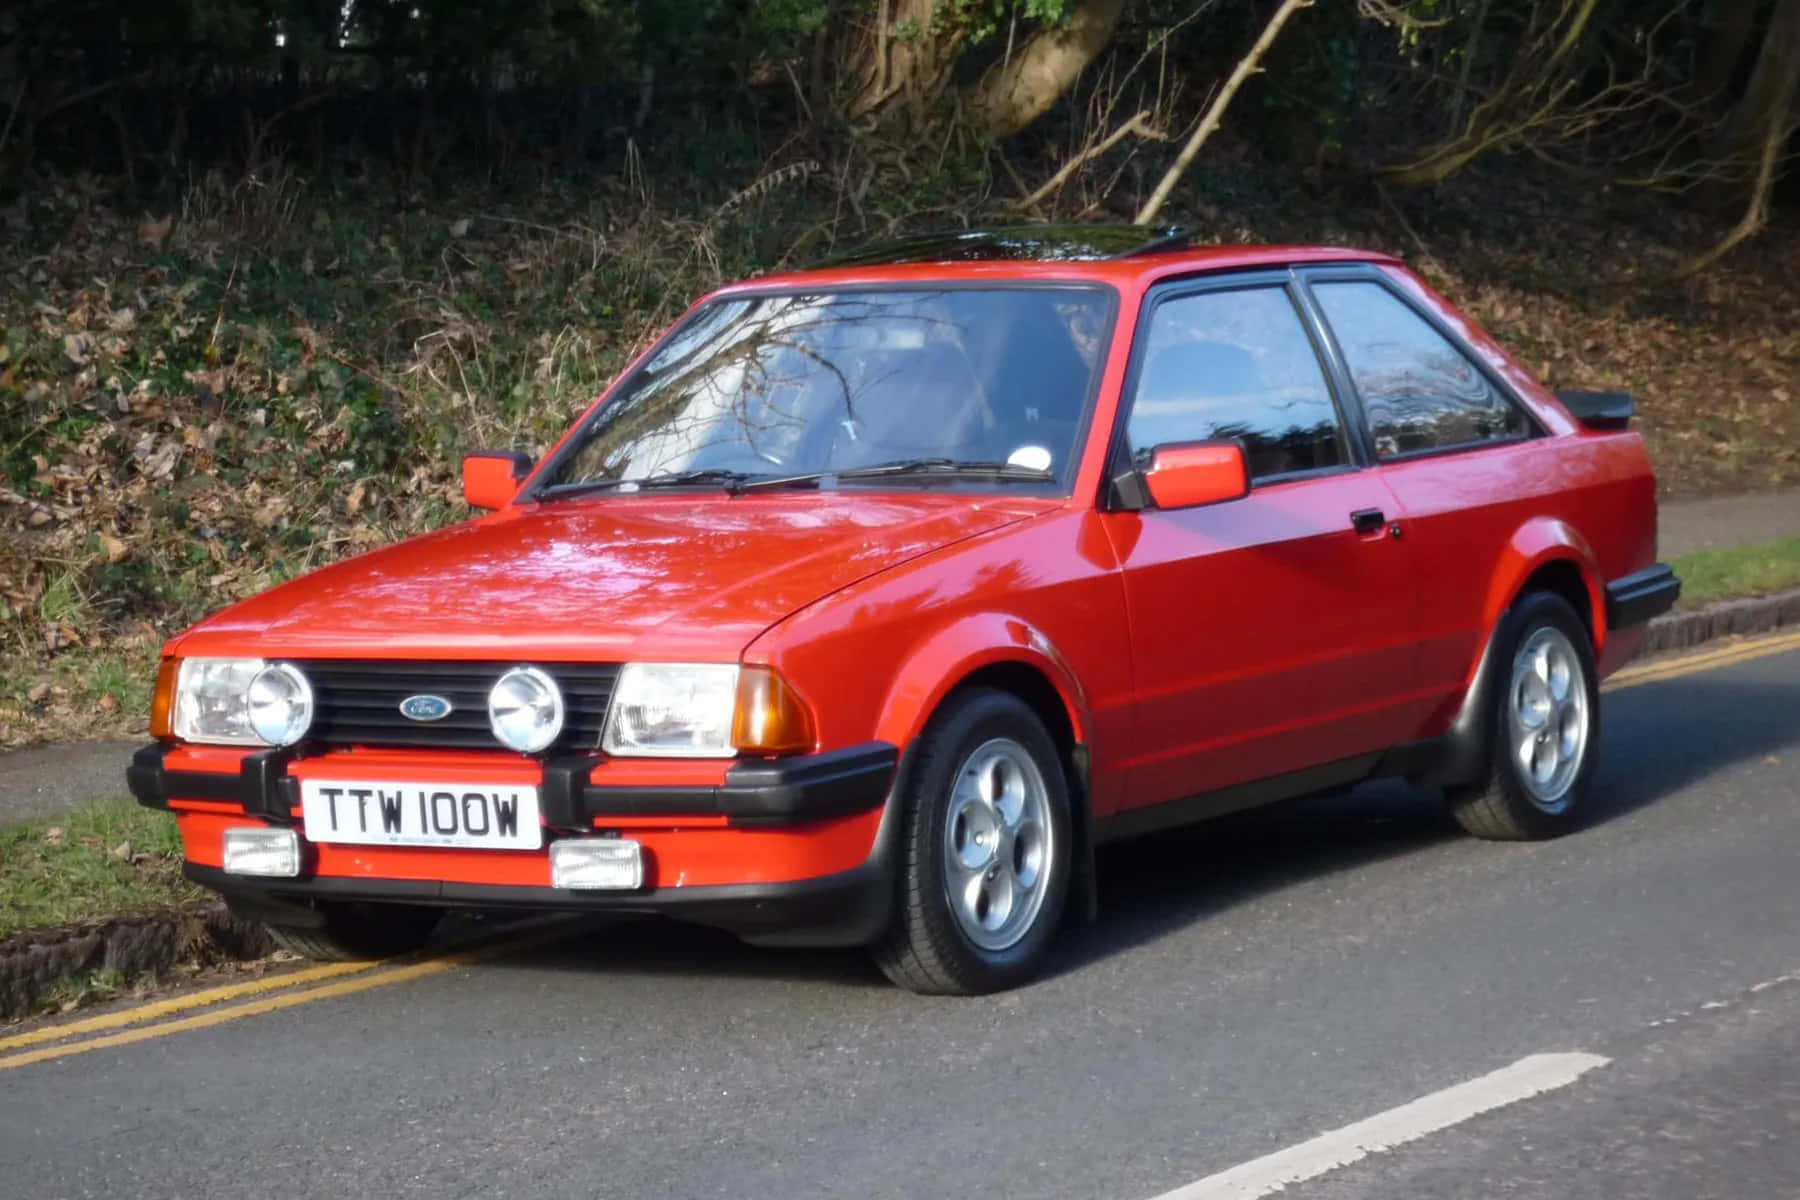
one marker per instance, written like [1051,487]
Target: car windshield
[930,385]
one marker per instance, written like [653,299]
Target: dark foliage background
[268,266]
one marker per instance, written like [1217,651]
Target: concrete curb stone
[34,962]
[1727,618]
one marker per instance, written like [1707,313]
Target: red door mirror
[1185,474]
[491,478]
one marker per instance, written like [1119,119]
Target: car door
[1270,634]
[1457,450]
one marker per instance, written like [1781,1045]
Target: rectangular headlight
[212,702]
[252,851]
[676,710]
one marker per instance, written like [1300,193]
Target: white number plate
[486,815]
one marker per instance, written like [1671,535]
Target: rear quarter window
[1418,390]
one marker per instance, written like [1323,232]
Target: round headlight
[281,704]
[525,710]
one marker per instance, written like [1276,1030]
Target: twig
[1247,66]
[213,342]
[12,114]
[1137,125]
[1426,257]
[377,380]
[1756,211]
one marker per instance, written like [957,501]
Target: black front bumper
[848,908]
[784,791]
[1636,598]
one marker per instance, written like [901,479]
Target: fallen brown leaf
[153,232]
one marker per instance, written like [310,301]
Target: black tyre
[1544,727]
[358,932]
[985,850]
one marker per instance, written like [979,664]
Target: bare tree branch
[1247,66]
[1138,124]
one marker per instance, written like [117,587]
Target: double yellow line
[1706,660]
[146,1021]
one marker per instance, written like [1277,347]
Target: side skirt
[1138,821]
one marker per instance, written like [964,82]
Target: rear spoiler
[1600,410]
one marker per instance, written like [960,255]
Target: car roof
[1119,255]
[1019,243]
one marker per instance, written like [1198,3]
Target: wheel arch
[1010,655]
[1545,554]
[996,647]
[1548,554]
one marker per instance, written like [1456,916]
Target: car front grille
[357,702]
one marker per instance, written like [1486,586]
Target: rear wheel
[358,932]
[986,853]
[1545,728]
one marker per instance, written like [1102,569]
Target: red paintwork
[1190,648]
[488,481]
[1203,473]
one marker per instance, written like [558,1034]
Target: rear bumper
[1636,598]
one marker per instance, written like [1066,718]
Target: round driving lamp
[525,710]
[281,704]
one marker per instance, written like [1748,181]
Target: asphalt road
[1250,984]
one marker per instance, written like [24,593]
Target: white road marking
[1530,1076]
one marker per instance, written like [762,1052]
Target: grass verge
[107,858]
[1709,575]
[82,694]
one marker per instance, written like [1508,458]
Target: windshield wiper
[731,481]
[736,482]
[1009,472]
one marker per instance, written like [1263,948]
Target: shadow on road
[654,946]
[1657,740]
[1666,736]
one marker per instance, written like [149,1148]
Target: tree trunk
[1762,124]
[908,60]
[1769,94]
[1726,47]
[1023,88]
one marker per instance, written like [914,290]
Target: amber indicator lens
[162,703]
[771,717]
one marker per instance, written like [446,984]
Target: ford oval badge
[425,707]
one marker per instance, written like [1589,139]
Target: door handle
[1367,520]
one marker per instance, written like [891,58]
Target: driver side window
[1237,364]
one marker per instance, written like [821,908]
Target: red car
[871,599]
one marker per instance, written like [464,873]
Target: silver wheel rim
[1549,718]
[998,844]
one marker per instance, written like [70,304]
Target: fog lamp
[613,864]
[252,851]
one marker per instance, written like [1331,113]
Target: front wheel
[1545,728]
[357,932]
[985,846]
